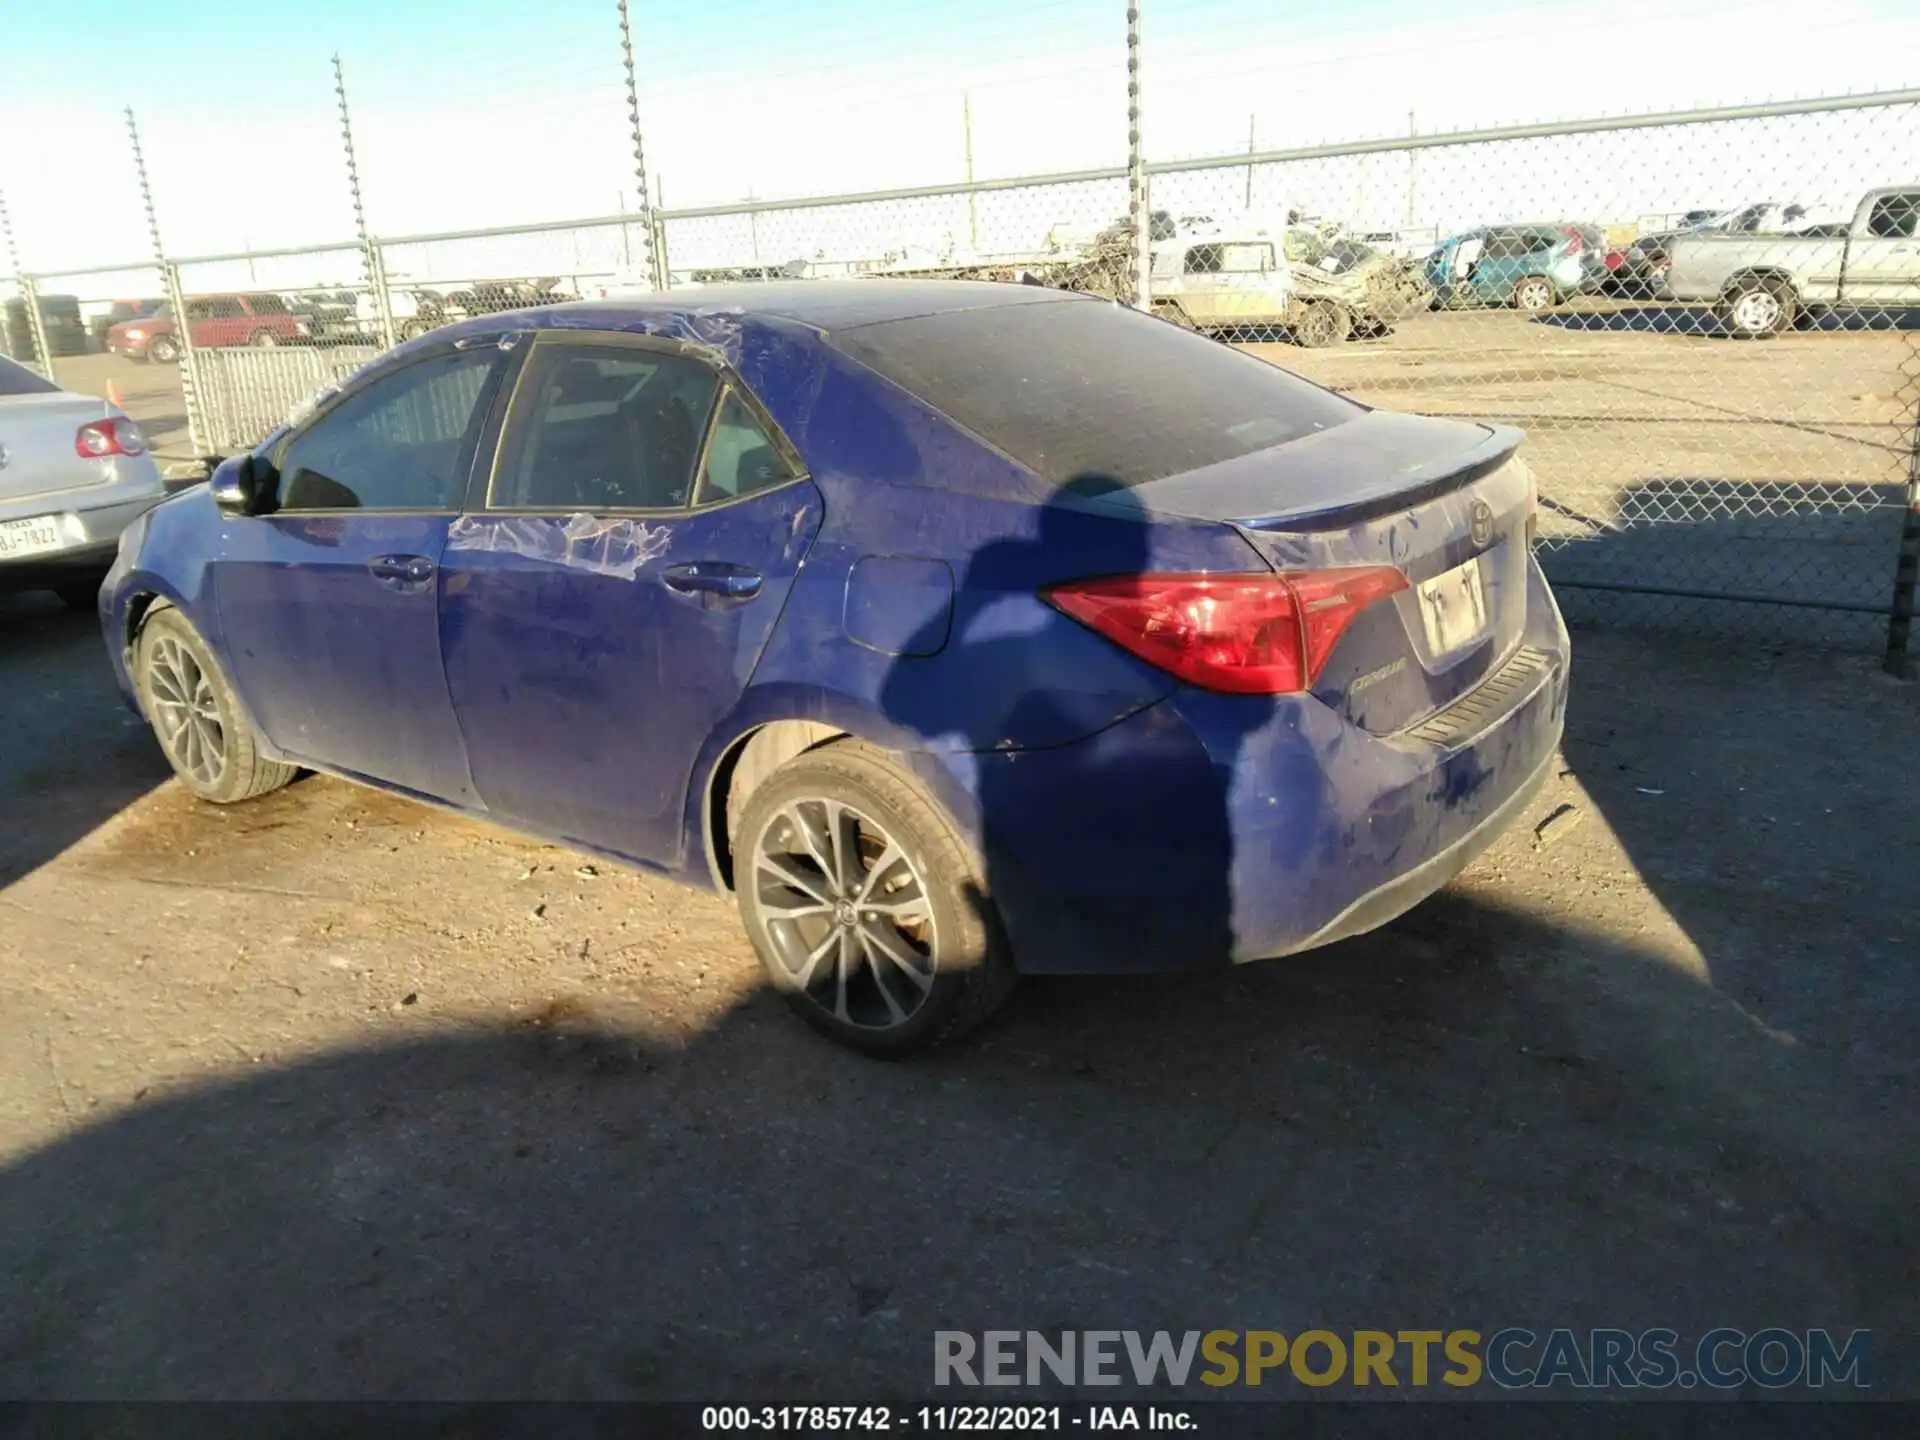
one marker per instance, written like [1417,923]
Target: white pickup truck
[1759,284]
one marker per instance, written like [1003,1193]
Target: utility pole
[1413,168]
[966,126]
[1140,261]
[1248,203]
[176,301]
[370,257]
[656,274]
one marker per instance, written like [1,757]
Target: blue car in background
[959,630]
[1530,267]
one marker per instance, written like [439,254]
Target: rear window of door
[1076,389]
[1893,216]
[604,427]
[404,442]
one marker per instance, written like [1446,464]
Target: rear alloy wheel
[164,350]
[866,908]
[1534,294]
[196,717]
[1756,308]
[263,340]
[1323,323]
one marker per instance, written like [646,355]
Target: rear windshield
[18,380]
[1079,389]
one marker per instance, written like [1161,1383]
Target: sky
[488,113]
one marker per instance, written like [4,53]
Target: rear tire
[263,340]
[1323,323]
[831,832]
[196,716]
[1755,308]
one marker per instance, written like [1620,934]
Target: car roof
[825,305]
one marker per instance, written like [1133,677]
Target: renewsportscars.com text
[1512,1358]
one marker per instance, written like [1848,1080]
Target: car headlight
[136,334]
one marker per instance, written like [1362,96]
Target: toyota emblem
[1482,523]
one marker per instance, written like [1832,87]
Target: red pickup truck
[212,320]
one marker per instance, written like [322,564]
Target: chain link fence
[1705,322]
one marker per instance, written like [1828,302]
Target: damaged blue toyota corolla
[960,630]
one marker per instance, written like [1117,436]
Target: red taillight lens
[1575,244]
[115,436]
[1243,634]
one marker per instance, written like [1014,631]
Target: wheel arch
[742,768]
[1761,274]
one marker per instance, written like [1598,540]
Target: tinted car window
[604,427]
[1893,216]
[18,380]
[1076,388]
[1203,260]
[399,444]
[266,305]
[741,458]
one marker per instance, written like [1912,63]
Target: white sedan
[74,473]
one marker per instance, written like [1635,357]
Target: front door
[329,607]
[606,600]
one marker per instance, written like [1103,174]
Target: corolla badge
[1482,522]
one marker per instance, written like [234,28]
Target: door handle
[401,569]
[713,577]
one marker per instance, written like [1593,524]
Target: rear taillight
[116,435]
[1244,634]
[1575,244]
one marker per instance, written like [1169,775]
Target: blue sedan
[960,630]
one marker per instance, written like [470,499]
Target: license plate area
[33,536]
[1453,607]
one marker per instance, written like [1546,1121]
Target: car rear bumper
[91,533]
[1211,829]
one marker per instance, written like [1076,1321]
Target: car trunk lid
[1445,503]
[37,433]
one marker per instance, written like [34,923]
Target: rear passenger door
[609,591]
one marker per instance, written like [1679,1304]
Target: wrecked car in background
[1316,289]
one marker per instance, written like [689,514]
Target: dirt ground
[330,1095]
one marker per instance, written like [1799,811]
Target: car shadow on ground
[1668,318]
[69,744]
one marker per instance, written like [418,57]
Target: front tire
[163,351]
[1755,308]
[1534,294]
[866,908]
[196,716]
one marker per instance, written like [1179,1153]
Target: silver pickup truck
[1759,284]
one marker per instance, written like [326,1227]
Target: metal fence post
[1906,573]
[37,327]
[29,297]
[1140,211]
[656,268]
[176,302]
[369,254]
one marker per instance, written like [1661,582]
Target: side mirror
[245,485]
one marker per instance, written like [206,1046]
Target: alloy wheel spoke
[814,957]
[877,968]
[877,940]
[844,961]
[795,877]
[814,838]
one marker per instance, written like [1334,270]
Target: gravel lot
[331,1095]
